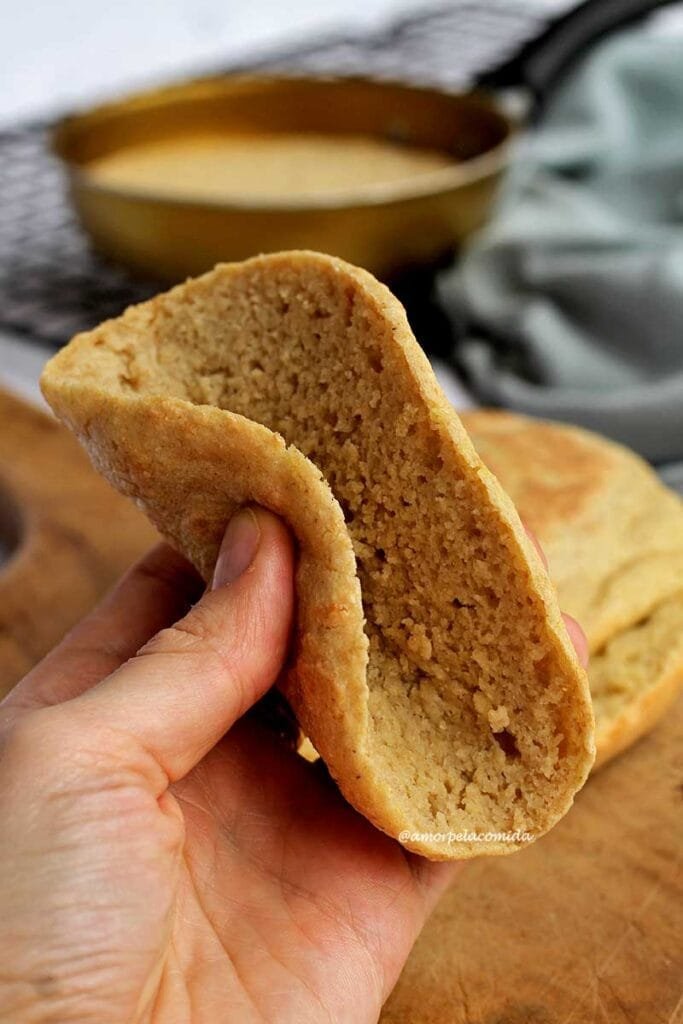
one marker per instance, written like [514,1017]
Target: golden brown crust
[165,400]
[639,716]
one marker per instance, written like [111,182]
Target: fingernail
[239,547]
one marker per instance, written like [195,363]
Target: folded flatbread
[430,666]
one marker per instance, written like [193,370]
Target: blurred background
[538,254]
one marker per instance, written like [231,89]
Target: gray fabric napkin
[571,300]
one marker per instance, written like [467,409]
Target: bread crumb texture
[613,535]
[431,668]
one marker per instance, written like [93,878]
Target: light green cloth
[571,301]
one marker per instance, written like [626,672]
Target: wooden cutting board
[584,927]
[66,535]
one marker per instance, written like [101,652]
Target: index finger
[154,593]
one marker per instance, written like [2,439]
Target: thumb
[190,682]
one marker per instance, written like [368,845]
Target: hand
[153,868]
[164,857]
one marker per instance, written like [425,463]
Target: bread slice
[613,535]
[430,666]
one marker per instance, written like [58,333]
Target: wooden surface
[584,927]
[65,533]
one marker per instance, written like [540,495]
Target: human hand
[165,858]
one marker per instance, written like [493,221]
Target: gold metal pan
[386,226]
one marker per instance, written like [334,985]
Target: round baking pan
[386,227]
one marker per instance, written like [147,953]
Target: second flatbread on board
[613,536]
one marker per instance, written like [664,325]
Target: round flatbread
[430,667]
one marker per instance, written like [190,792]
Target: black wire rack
[53,284]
